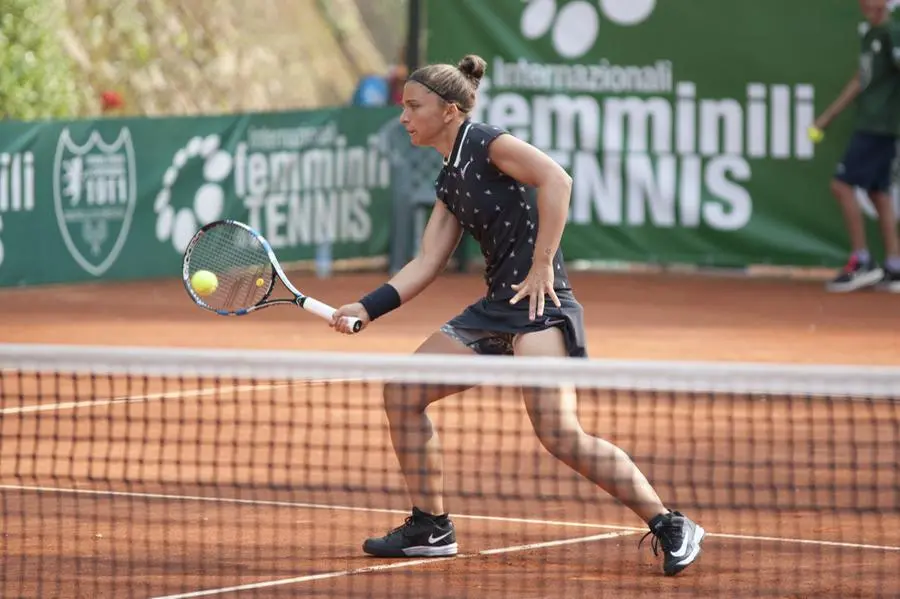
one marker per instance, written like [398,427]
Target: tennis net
[136,472]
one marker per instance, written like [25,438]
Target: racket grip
[326,312]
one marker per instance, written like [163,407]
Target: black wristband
[381,301]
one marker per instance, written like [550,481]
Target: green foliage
[59,57]
[36,78]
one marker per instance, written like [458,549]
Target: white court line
[301,505]
[605,535]
[347,508]
[299,579]
[74,405]
[407,564]
[723,535]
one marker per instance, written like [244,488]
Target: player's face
[875,11]
[424,114]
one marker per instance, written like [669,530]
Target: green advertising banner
[683,123]
[121,198]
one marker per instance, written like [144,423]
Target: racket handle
[325,311]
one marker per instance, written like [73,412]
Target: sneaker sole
[691,557]
[427,551]
[867,280]
[418,551]
[892,287]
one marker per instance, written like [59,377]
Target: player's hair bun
[473,67]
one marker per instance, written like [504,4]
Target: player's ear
[451,112]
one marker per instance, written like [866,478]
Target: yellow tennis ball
[816,134]
[204,282]
[260,282]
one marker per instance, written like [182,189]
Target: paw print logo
[576,26]
[179,225]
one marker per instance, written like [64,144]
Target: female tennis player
[482,189]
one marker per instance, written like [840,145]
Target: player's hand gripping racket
[231,269]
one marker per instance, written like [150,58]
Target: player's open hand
[537,286]
[355,310]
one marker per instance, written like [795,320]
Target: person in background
[397,75]
[868,161]
[387,90]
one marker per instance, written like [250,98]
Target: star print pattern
[498,211]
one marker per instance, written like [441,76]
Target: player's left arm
[527,164]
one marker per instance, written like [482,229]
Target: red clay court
[187,487]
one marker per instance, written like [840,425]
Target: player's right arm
[439,240]
[846,97]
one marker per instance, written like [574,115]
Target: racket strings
[240,263]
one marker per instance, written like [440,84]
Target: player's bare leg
[427,532]
[860,271]
[853,219]
[887,220]
[415,440]
[553,413]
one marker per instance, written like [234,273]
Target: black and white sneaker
[680,539]
[856,275]
[421,535]
[890,282]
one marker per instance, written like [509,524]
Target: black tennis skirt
[502,317]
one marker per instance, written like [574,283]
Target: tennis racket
[245,270]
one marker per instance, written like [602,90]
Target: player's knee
[836,186]
[560,440]
[839,188]
[400,401]
[883,202]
